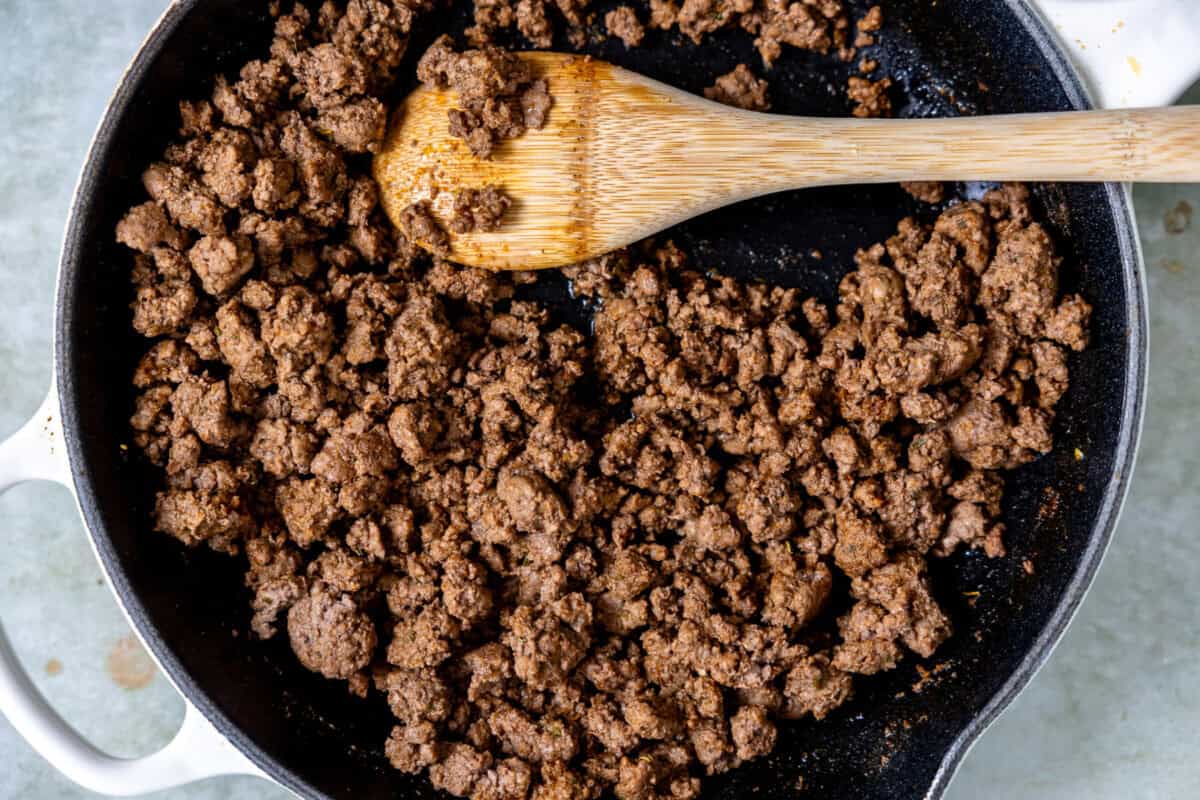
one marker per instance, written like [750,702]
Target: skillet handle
[37,452]
[1132,53]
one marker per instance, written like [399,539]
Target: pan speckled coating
[890,741]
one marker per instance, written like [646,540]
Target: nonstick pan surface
[900,737]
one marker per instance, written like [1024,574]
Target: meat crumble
[569,563]
[500,96]
[870,97]
[925,191]
[623,23]
[479,209]
[741,88]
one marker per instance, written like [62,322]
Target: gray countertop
[1113,715]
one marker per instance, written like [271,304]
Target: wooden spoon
[623,157]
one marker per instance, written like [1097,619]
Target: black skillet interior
[951,57]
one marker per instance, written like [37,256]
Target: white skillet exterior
[1131,52]
[37,452]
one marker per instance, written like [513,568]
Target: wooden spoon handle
[1146,145]
[623,157]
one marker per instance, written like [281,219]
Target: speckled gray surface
[1113,715]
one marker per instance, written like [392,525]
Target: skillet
[891,740]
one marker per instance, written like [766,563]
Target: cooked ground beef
[819,25]
[925,191]
[868,25]
[500,96]
[870,97]
[568,563]
[740,88]
[420,226]
[479,209]
[623,23]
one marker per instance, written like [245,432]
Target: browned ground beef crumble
[925,191]
[870,97]
[420,226]
[471,210]
[500,96]
[479,209]
[819,25]
[623,23]
[569,563]
[740,88]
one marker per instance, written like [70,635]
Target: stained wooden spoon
[623,157]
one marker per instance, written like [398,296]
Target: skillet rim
[1132,413]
